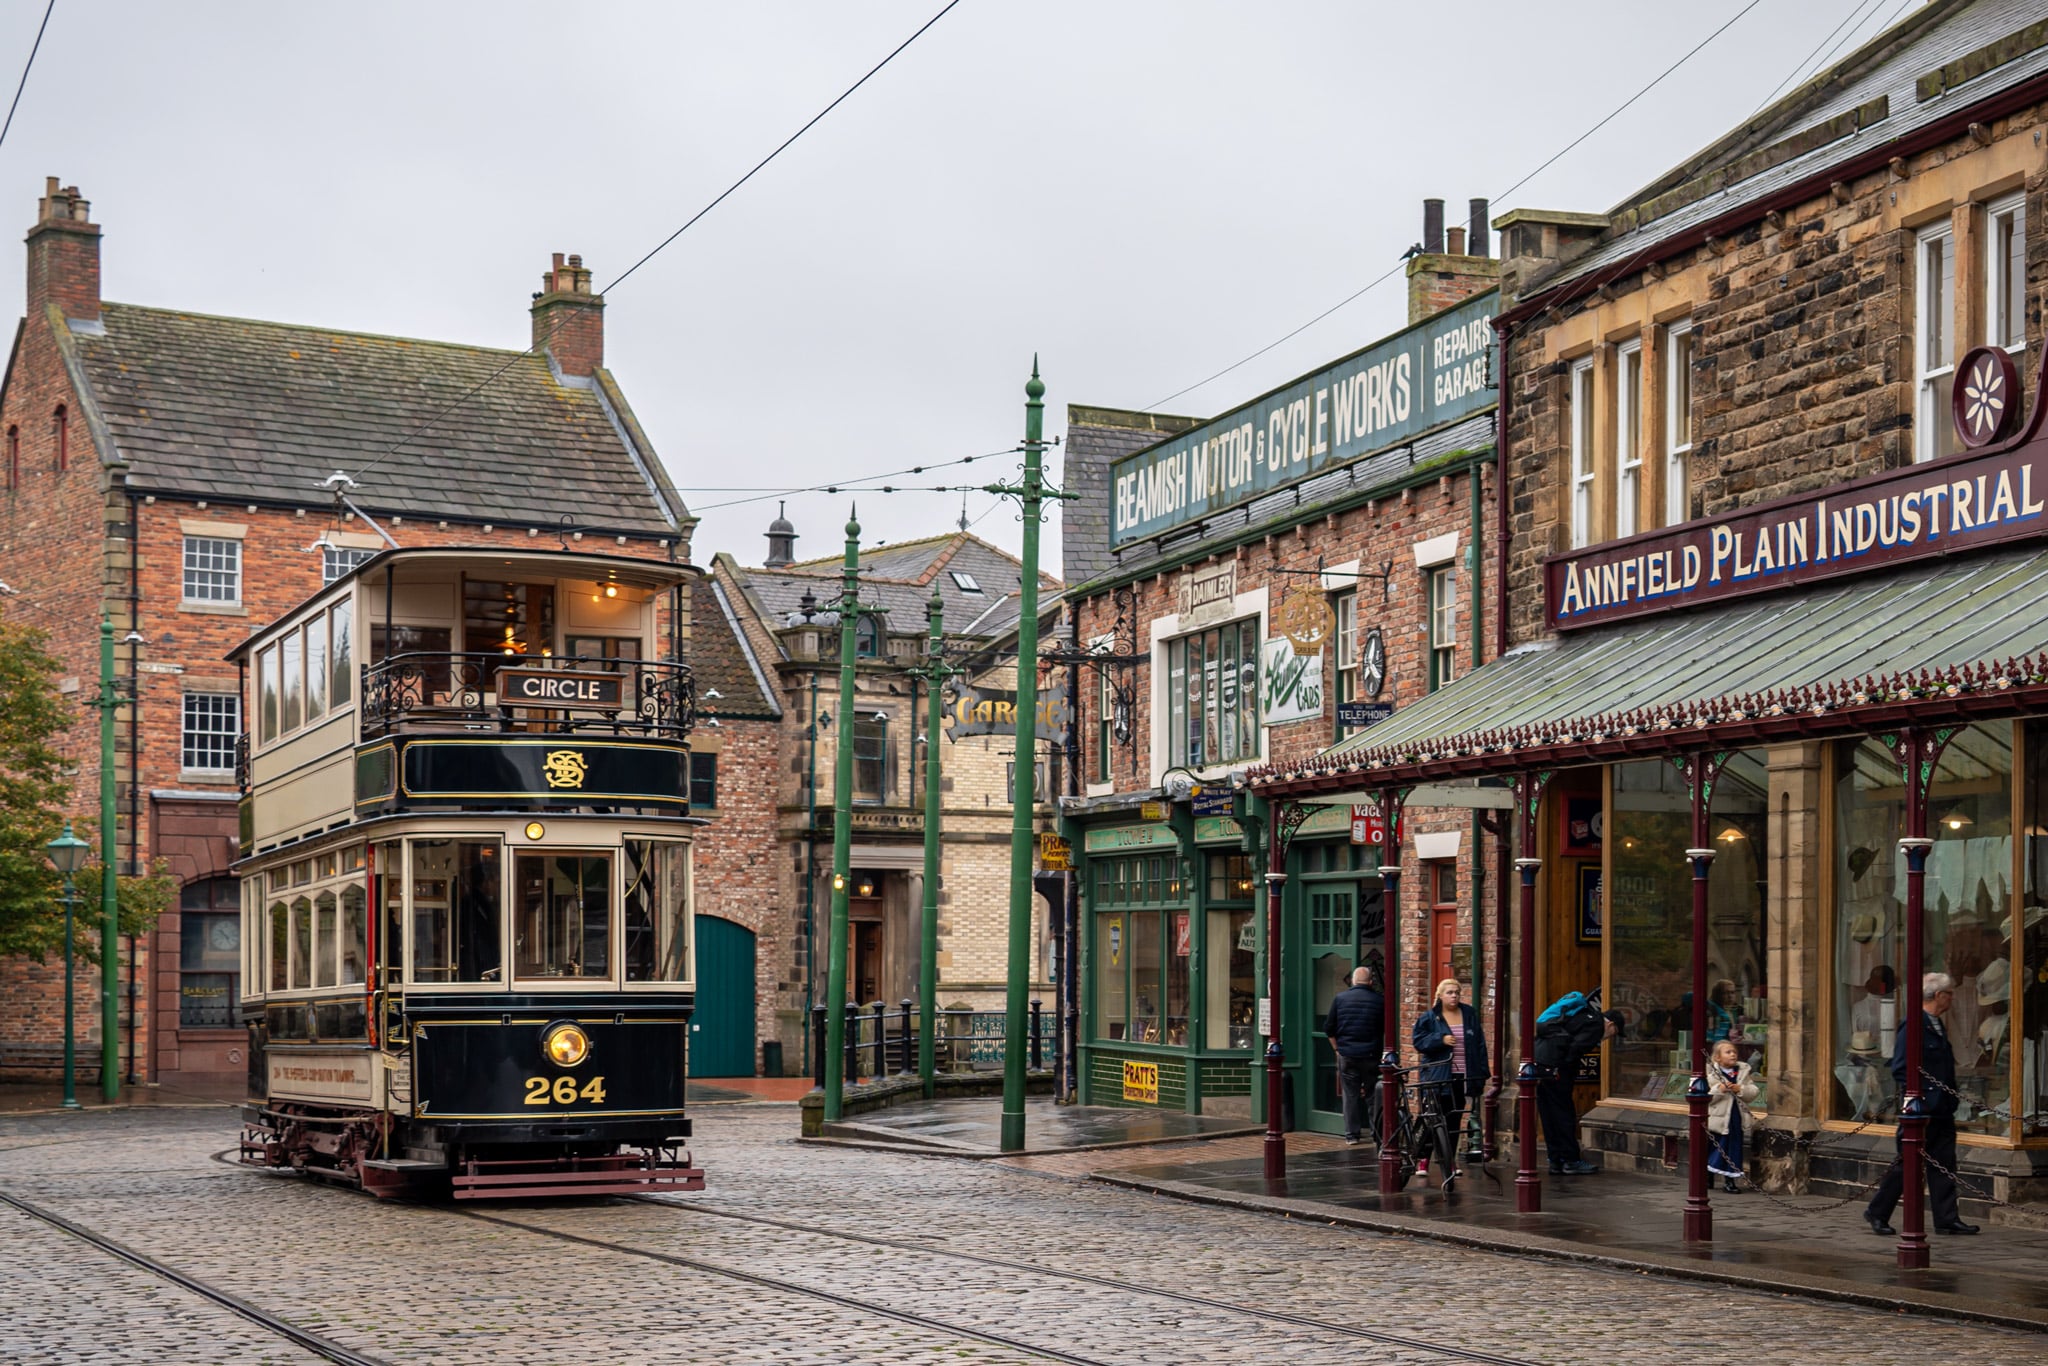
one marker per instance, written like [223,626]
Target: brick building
[169,470]
[1254,587]
[1773,631]
[787,612]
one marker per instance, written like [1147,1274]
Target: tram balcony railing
[881,1042]
[427,691]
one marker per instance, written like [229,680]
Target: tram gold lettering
[563,1090]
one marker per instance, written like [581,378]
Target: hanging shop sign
[1359,715]
[1211,801]
[1369,824]
[1304,618]
[1116,839]
[1055,855]
[1293,688]
[1966,502]
[1414,381]
[991,711]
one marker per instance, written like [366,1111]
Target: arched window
[867,638]
[60,431]
[14,457]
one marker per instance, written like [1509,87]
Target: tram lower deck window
[657,908]
[455,898]
[562,920]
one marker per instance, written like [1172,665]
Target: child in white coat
[1729,1089]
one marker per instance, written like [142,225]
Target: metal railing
[430,690]
[881,1042]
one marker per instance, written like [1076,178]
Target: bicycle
[1424,1132]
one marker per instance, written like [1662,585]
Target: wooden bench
[50,1057]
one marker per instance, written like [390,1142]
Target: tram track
[325,1348]
[755,1278]
[1278,1316]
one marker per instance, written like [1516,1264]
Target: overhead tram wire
[859,483]
[1379,280]
[25,69]
[434,419]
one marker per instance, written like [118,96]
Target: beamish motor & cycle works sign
[1419,379]
[1960,503]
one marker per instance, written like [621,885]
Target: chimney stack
[1433,226]
[64,256]
[568,320]
[1476,220]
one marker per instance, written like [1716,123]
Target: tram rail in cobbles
[323,1347]
[1278,1316]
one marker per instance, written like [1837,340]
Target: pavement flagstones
[806,1252]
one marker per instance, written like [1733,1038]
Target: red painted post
[1390,989]
[1275,1150]
[1913,1249]
[1699,1209]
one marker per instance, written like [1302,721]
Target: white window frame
[337,560]
[1934,340]
[1628,438]
[1443,625]
[2001,328]
[212,556]
[1678,336]
[1584,465]
[230,713]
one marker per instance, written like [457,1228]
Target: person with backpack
[1568,1029]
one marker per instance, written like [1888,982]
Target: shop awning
[1958,638]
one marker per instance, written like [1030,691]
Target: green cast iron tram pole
[842,831]
[110,911]
[935,673]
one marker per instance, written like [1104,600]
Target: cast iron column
[842,829]
[1913,1249]
[1390,988]
[1276,1081]
[110,909]
[1699,1211]
[1528,1185]
[928,968]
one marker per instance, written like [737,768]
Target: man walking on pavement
[1356,1026]
[1559,1046]
[1938,1093]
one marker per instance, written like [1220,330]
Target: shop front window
[1212,695]
[1231,952]
[1143,949]
[2027,941]
[1644,904]
[209,953]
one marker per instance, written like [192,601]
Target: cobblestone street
[802,1253]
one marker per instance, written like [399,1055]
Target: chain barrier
[1961,1189]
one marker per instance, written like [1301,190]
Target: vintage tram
[466,877]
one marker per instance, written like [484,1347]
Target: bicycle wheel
[1446,1145]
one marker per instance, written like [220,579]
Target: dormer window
[965,580]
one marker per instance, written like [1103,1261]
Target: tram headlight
[565,1044]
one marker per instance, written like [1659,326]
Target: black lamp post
[67,855]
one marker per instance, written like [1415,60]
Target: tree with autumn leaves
[35,788]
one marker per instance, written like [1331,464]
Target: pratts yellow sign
[1141,1082]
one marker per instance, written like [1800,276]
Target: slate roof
[898,581]
[723,660]
[1097,437]
[1950,612]
[1890,67]
[244,411]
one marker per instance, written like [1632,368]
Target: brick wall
[734,865]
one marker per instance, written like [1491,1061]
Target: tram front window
[455,896]
[564,916]
[657,911]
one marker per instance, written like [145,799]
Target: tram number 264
[563,1091]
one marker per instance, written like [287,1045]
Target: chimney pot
[569,330]
[1433,226]
[64,255]
[1454,241]
[1476,215]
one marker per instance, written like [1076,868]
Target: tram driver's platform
[1804,1245]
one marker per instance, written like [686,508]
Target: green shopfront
[1173,962]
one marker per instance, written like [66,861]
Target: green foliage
[32,792]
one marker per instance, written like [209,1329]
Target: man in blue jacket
[1938,1093]
[1356,1026]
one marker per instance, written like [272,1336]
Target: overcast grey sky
[1140,191]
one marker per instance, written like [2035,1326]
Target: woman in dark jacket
[1452,1049]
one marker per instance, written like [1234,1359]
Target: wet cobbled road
[801,1253]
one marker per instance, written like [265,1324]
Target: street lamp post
[109,702]
[935,671]
[842,831]
[67,855]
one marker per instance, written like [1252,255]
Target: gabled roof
[897,580]
[1945,57]
[724,662]
[237,410]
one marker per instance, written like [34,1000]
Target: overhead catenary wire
[1396,269]
[26,67]
[863,483]
[433,419]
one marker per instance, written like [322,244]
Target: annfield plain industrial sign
[1414,381]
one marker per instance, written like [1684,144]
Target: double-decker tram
[466,877]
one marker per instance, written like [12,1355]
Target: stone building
[1249,590]
[787,611]
[170,471]
[1773,621]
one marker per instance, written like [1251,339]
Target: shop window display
[1967,925]
[1231,953]
[1143,950]
[2024,1036]
[1647,915]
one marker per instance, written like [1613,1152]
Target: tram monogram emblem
[564,768]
